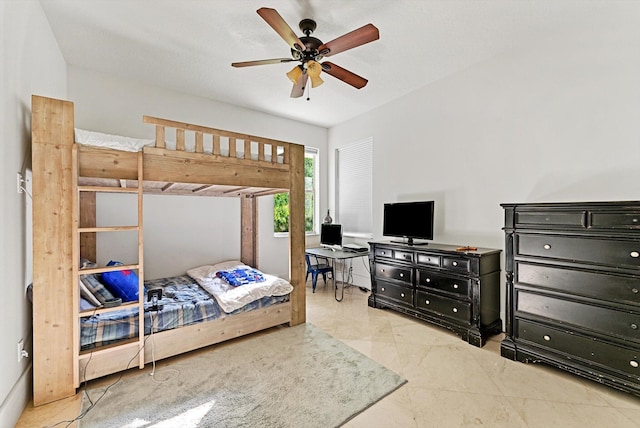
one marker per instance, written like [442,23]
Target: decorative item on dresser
[572,288]
[452,287]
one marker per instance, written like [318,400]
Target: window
[354,165]
[281,200]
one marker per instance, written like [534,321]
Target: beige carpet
[290,377]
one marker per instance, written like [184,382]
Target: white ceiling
[189,45]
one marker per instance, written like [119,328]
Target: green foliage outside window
[281,201]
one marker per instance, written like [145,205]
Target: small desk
[335,255]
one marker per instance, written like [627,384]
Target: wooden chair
[318,265]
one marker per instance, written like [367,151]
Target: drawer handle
[455,285]
[427,302]
[382,289]
[635,254]
[546,246]
[634,326]
[634,364]
[634,290]
[401,275]
[427,280]
[546,337]
[401,294]
[381,270]
[455,309]
[455,263]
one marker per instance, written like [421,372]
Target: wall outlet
[20,182]
[21,352]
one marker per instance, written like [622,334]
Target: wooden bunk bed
[66,178]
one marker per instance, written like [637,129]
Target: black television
[331,235]
[409,220]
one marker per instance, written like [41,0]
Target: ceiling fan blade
[361,36]
[346,76]
[273,18]
[262,62]
[298,88]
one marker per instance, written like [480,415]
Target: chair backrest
[310,266]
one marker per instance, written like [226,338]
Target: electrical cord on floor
[153,359]
[92,403]
[366,266]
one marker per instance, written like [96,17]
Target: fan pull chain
[308,88]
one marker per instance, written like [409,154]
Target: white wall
[185,231]
[31,64]
[555,121]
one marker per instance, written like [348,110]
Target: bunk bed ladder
[84,228]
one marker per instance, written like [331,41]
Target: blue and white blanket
[184,303]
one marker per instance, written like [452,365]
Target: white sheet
[231,298]
[116,142]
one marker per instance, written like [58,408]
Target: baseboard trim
[19,397]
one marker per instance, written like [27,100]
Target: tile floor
[450,383]
[454,384]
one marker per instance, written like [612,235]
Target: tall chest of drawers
[573,288]
[435,283]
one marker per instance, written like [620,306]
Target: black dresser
[572,288]
[458,290]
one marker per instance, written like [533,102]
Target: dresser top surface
[435,247]
[575,205]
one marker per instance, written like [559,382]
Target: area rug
[289,377]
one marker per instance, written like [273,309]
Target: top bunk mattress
[130,144]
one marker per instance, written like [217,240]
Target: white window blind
[354,165]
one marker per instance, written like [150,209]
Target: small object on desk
[467,249]
[354,247]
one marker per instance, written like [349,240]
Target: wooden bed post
[53,315]
[249,225]
[297,235]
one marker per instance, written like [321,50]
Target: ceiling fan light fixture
[313,70]
[295,73]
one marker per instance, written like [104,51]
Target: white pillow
[209,271]
[228,265]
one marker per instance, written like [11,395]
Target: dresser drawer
[572,345]
[456,264]
[451,284]
[623,324]
[603,251]
[407,256]
[384,252]
[428,259]
[551,218]
[387,290]
[398,273]
[597,285]
[614,220]
[451,308]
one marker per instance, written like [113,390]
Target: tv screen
[410,220]
[331,234]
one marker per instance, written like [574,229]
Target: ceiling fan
[308,50]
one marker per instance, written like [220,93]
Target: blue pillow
[121,283]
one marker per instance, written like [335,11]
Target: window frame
[314,153]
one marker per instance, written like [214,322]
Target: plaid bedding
[185,303]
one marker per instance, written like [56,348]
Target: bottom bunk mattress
[184,303]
